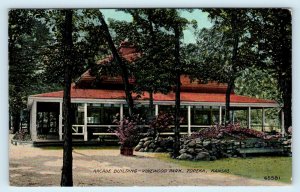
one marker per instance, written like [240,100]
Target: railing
[80,129]
[102,126]
[76,129]
[162,133]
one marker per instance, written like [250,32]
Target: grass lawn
[252,167]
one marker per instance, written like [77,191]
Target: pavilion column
[220,115]
[121,111]
[156,110]
[282,123]
[189,121]
[85,133]
[60,133]
[263,119]
[249,117]
[33,127]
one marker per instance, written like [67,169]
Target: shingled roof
[129,53]
[185,96]
[191,91]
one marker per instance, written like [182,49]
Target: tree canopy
[239,42]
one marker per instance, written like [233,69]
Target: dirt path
[31,166]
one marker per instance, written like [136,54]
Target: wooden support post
[210,116]
[282,123]
[156,110]
[33,127]
[60,121]
[263,119]
[85,132]
[249,117]
[220,115]
[121,111]
[189,121]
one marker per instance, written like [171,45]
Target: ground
[30,166]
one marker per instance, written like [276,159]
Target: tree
[119,60]
[26,33]
[262,38]
[176,24]
[273,29]
[169,20]
[67,170]
[152,69]
[226,48]
[156,25]
[177,91]
[263,85]
[88,45]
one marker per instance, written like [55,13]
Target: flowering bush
[128,130]
[233,130]
[162,122]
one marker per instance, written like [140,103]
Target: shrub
[128,130]
[233,130]
[162,122]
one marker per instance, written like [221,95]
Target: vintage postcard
[150,97]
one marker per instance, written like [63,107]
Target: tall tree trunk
[176,146]
[151,109]
[227,105]
[153,44]
[67,172]
[285,62]
[116,56]
[287,109]
[234,63]
[285,84]
[16,121]
[16,112]
[151,105]
[28,123]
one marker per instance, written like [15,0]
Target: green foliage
[152,33]
[152,69]
[26,33]
[263,56]
[263,84]
[273,30]
[250,47]
[87,46]
[226,47]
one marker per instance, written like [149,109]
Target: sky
[189,37]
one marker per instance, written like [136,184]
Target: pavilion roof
[191,91]
[129,53]
[185,96]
